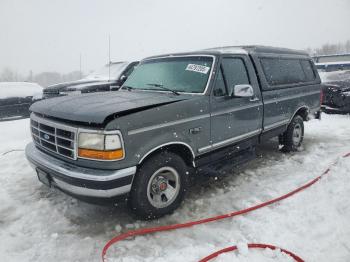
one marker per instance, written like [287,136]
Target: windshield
[103,73]
[335,76]
[180,74]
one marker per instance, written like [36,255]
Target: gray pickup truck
[176,115]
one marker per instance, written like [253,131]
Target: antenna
[109,57]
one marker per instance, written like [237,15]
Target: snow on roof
[19,89]
[228,49]
[245,49]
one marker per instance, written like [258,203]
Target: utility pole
[109,57]
[80,72]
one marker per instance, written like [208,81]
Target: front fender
[153,142]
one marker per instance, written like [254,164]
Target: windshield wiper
[129,88]
[164,88]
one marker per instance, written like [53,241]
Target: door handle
[195,130]
[254,98]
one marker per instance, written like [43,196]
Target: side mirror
[241,91]
[123,78]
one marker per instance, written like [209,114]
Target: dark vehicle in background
[110,77]
[176,115]
[336,91]
[16,98]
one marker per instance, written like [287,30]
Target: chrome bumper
[79,180]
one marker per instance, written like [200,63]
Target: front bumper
[81,181]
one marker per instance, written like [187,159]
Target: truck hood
[68,84]
[96,107]
[76,85]
[89,85]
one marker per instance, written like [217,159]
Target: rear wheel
[159,186]
[293,137]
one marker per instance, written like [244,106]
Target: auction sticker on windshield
[198,68]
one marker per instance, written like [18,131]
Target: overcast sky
[49,35]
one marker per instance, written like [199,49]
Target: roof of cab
[259,49]
[247,49]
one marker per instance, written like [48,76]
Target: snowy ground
[38,224]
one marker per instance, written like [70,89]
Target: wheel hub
[159,185]
[297,134]
[163,187]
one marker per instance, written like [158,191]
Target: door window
[220,87]
[235,71]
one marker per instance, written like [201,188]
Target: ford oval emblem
[46,136]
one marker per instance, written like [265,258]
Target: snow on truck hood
[74,85]
[92,84]
[96,107]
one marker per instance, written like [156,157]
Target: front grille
[55,137]
[51,91]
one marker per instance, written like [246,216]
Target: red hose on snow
[150,230]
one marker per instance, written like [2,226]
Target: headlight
[91,141]
[100,146]
[112,142]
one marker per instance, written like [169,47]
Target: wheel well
[180,149]
[303,112]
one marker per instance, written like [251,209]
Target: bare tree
[347,46]
[331,49]
[7,75]
[50,78]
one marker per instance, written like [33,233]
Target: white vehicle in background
[16,98]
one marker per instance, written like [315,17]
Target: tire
[159,186]
[293,137]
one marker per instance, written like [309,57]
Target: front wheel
[293,137]
[159,186]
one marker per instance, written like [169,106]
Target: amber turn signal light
[101,155]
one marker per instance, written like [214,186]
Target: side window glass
[235,71]
[220,88]
[283,71]
[309,72]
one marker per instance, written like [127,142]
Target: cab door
[234,119]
